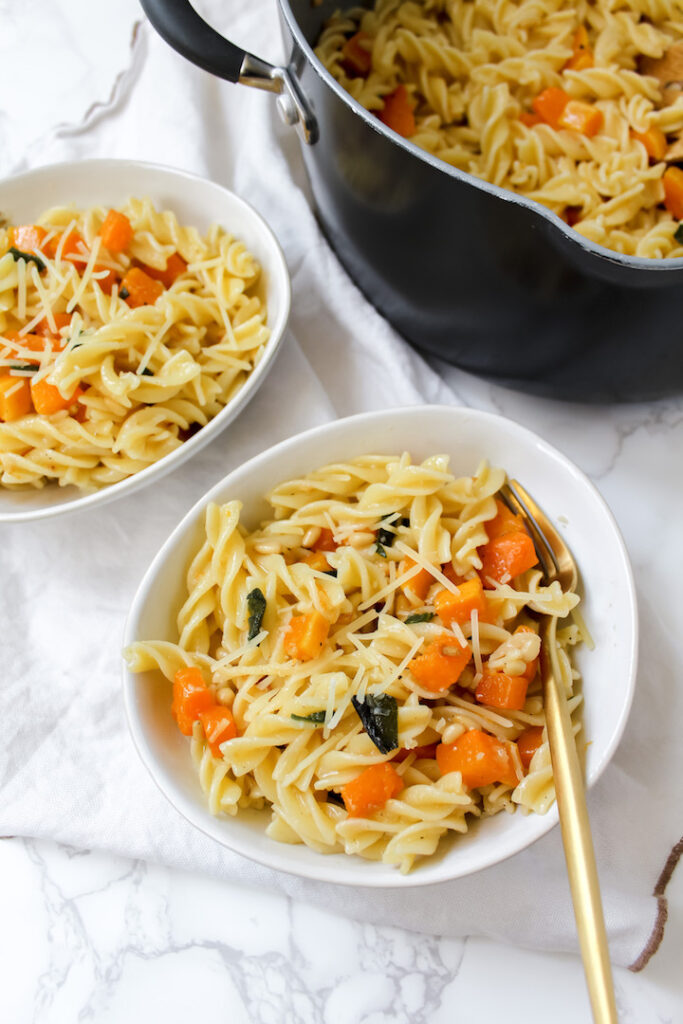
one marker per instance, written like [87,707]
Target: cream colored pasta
[433,524]
[472,67]
[149,376]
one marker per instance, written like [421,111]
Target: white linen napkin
[68,768]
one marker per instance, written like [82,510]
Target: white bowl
[467,436]
[195,201]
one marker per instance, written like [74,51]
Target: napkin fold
[68,770]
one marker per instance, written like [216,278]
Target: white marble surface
[89,937]
[86,936]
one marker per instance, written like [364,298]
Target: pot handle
[181,27]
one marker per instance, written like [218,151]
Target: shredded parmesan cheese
[21,289]
[398,582]
[15,387]
[329,711]
[516,760]
[400,669]
[353,627]
[346,699]
[424,564]
[476,649]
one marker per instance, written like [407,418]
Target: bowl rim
[325,871]
[231,410]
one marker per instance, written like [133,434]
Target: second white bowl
[195,201]
[468,436]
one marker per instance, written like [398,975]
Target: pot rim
[667,265]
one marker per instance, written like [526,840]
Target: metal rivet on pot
[287,109]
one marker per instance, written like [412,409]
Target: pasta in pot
[550,101]
[122,332]
[364,664]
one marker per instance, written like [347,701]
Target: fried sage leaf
[256,603]
[18,254]
[315,716]
[419,617]
[379,715]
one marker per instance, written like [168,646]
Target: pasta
[364,663]
[121,334]
[477,83]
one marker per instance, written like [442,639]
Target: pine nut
[452,732]
[226,696]
[268,547]
[311,535]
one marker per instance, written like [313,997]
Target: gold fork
[558,564]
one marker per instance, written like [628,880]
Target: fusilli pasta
[367,636]
[113,380]
[472,69]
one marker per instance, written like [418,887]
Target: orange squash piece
[550,105]
[325,541]
[654,141]
[572,215]
[116,231]
[48,399]
[191,696]
[370,790]
[142,290]
[35,343]
[507,556]
[73,249]
[672,181]
[581,117]
[219,727]
[441,663]
[480,758]
[530,119]
[397,112]
[528,743]
[27,237]
[175,266]
[418,584]
[357,56]
[582,57]
[306,635]
[498,690]
[504,521]
[450,574]
[61,320]
[318,561]
[106,278]
[458,608]
[15,398]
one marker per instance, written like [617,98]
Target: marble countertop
[88,936]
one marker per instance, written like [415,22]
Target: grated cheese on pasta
[366,671]
[148,375]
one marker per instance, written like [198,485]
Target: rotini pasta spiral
[349,663]
[98,382]
[472,69]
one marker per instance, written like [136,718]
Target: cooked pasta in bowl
[339,655]
[132,327]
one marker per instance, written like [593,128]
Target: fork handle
[576,837]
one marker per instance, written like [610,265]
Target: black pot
[470,272]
